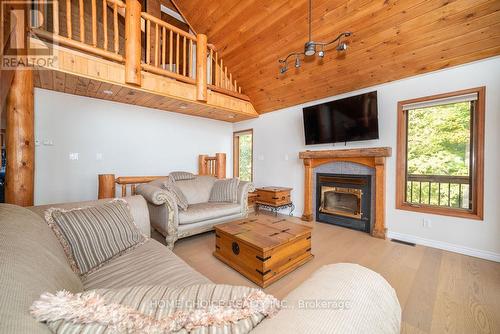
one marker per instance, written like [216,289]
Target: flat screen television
[351,119]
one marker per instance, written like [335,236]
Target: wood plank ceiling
[391,40]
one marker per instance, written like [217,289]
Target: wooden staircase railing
[96,27]
[214,166]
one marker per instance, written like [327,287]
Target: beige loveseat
[200,216]
[32,262]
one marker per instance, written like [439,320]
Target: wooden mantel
[371,157]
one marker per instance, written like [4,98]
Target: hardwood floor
[439,291]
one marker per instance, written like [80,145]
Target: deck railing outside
[439,190]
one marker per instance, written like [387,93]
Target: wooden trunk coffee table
[263,248]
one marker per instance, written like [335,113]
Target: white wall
[279,137]
[132,140]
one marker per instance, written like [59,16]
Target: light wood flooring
[439,291]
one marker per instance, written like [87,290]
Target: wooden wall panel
[391,40]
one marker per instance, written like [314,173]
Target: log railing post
[20,140]
[202,164]
[133,42]
[220,165]
[107,186]
[201,67]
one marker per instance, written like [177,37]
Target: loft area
[256,167]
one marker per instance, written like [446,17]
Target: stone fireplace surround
[370,157]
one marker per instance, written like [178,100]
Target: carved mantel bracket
[371,157]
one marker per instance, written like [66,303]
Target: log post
[202,164]
[308,184]
[201,67]
[379,229]
[107,186]
[20,140]
[220,165]
[133,42]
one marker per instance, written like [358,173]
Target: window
[243,155]
[440,154]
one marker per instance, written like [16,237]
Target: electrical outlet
[73,156]
[426,223]
[98,156]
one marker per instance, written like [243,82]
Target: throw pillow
[199,308]
[92,236]
[180,198]
[225,191]
[178,176]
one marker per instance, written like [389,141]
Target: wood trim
[228,92]
[360,152]
[477,212]
[79,45]
[236,154]
[371,157]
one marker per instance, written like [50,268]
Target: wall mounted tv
[350,119]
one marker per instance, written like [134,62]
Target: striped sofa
[32,262]
[200,216]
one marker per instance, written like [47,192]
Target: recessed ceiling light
[231,116]
[183,106]
[108,92]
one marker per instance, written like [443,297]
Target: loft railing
[439,190]
[170,51]
[66,24]
[97,27]
[218,77]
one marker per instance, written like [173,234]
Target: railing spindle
[157,42]
[148,42]
[184,56]
[164,45]
[211,66]
[94,23]
[105,23]
[225,78]
[177,54]
[82,21]
[115,24]
[68,19]
[429,200]
[460,195]
[449,194]
[190,65]
[171,51]
[55,16]
[124,190]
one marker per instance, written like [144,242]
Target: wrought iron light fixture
[312,48]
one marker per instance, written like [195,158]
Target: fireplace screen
[341,201]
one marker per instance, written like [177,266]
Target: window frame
[477,178]
[236,152]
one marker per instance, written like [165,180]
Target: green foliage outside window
[439,144]
[245,162]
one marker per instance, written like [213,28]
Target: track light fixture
[310,47]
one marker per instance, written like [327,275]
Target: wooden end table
[274,199]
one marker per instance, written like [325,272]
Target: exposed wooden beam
[20,140]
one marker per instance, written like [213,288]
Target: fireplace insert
[344,199]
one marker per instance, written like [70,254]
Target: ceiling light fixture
[108,92]
[310,46]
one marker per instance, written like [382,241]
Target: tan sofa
[200,216]
[32,262]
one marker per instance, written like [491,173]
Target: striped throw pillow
[178,176]
[225,191]
[92,236]
[196,309]
[181,199]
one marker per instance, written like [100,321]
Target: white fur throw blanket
[70,313]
